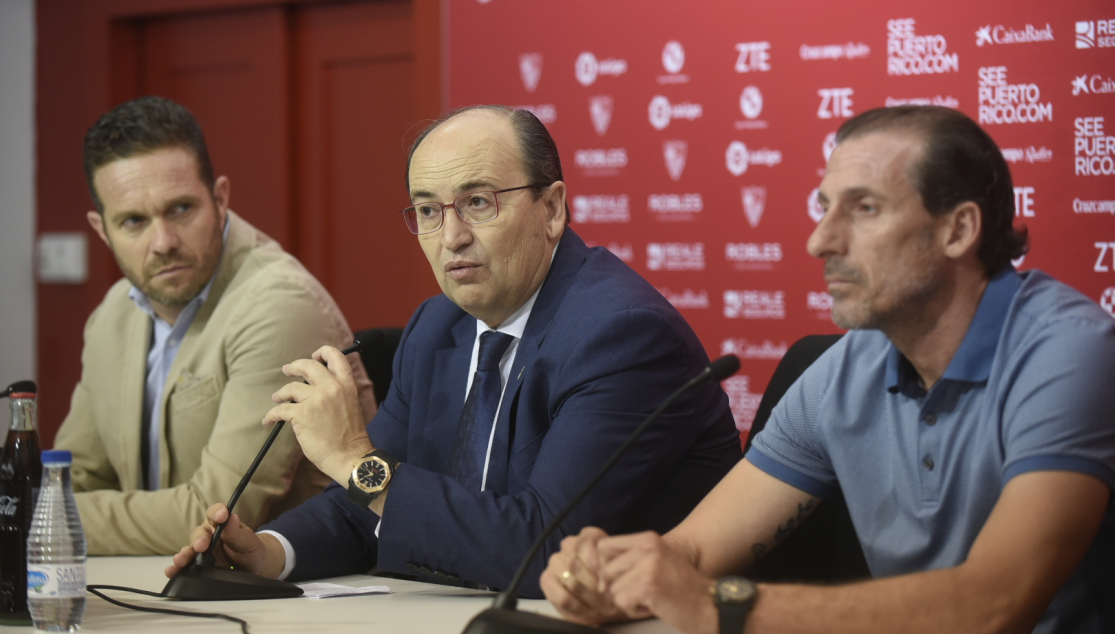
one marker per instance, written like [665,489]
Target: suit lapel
[447,395]
[568,260]
[136,336]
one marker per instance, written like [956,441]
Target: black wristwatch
[370,476]
[734,597]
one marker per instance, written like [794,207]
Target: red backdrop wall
[693,135]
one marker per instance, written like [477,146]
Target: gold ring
[566,576]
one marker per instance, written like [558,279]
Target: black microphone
[502,617]
[203,580]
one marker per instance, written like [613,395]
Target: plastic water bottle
[56,551]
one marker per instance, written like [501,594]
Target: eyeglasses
[473,208]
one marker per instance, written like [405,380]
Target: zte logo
[1105,248]
[1024,202]
[753,57]
[836,103]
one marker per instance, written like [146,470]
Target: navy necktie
[470,450]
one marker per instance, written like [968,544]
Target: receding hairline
[446,126]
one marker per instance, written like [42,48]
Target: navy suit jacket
[602,348]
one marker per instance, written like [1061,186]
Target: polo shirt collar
[972,361]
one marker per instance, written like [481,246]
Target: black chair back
[377,351]
[824,549]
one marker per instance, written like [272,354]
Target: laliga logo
[586,68]
[661,111]
[751,102]
[675,153]
[737,158]
[600,108]
[673,57]
[1107,301]
[754,201]
[530,68]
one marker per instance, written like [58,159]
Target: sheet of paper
[329,590]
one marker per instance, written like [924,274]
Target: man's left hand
[647,575]
[324,412]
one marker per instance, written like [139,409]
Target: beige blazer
[264,309]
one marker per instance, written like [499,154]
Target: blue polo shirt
[1031,388]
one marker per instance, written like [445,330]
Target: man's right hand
[240,546]
[573,584]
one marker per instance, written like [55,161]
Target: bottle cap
[30,395]
[58,456]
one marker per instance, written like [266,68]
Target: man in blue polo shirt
[968,419]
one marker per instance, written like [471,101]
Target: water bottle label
[55,581]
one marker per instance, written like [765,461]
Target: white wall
[17,195]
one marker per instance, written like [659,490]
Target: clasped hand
[598,579]
[324,411]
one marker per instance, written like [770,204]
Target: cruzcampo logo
[36,580]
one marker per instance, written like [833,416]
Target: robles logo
[530,69]
[661,112]
[600,109]
[601,162]
[738,158]
[911,54]
[587,68]
[675,206]
[1001,102]
[753,256]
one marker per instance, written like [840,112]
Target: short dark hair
[142,126]
[541,161]
[960,163]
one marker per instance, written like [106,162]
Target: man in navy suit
[510,389]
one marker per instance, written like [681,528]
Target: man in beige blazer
[182,356]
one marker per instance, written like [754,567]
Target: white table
[412,608]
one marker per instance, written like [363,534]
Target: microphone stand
[502,617]
[203,580]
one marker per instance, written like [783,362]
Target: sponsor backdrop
[693,136]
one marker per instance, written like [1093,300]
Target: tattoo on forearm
[804,509]
[803,512]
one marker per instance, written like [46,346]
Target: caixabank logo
[687,298]
[1094,84]
[1095,33]
[745,349]
[1001,102]
[909,53]
[999,34]
[1094,150]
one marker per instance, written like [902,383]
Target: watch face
[735,591]
[371,475]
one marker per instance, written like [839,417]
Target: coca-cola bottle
[21,471]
